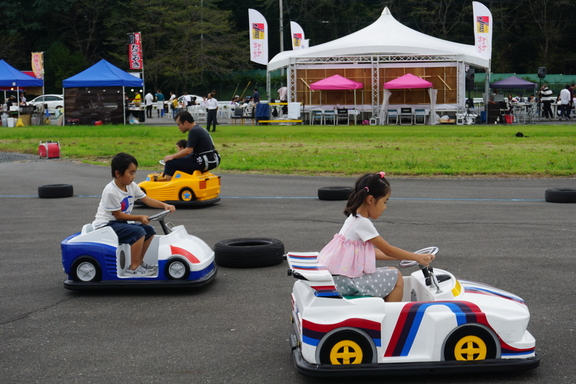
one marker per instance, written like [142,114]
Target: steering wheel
[411,263]
[158,216]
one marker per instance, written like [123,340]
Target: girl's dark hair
[121,162]
[374,184]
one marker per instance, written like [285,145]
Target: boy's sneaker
[149,267]
[140,271]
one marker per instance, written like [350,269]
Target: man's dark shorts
[186,164]
[131,233]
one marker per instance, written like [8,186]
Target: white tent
[385,36]
[386,43]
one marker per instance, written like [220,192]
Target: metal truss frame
[376,62]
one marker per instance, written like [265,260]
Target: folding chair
[238,114]
[342,116]
[419,116]
[317,116]
[392,115]
[406,115]
[330,115]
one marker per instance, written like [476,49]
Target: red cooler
[49,149]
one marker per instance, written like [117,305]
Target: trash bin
[482,117]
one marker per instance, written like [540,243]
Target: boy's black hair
[121,162]
[182,143]
[374,184]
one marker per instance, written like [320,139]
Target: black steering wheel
[160,218]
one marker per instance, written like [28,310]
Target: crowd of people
[565,101]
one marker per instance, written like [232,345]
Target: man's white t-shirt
[114,199]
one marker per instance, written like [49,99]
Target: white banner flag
[483,26]
[258,37]
[297,34]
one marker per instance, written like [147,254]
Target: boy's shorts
[131,233]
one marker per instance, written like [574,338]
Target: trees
[196,44]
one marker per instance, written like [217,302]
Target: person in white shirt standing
[565,99]
[211,111]
[149,102]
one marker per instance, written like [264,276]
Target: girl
[351,256]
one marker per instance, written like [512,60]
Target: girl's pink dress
[351,258]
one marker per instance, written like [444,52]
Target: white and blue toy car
[442,325]
[94,259]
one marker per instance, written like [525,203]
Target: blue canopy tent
[97,93]
[513,82]
[11,77]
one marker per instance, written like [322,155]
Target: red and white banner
[483,26]
[38,64]
[258,37]
[297,34]
[135,58]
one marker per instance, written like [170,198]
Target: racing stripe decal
[312,333]
[181,251]
[410,320]
[483,291]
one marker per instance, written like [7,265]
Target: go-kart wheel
[248,252]
[55,190]
[86,270]
[346,347]
[177,269]
[186,194]
[470,343]
[335,193]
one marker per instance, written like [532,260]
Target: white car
[441,325]
[52,101]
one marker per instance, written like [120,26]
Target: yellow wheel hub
[346,352]
[470,348]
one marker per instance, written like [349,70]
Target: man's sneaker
[140,271]
[149,267]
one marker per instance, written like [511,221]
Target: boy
[115,210]
[180,145]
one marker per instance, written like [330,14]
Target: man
[283,96]
[546,100]
[160,103]
[149,102]
[256,96]
[565,99]
[199,153]
[187,99]
[211,112]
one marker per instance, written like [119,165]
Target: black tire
[335,193]
[186,194]
[177,269]
[55,190]
[475,338]
[86,270]
[561,195]
[359,348]
[248,252]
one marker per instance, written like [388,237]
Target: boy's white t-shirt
[363,229]
[114,199]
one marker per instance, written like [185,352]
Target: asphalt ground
[235,330]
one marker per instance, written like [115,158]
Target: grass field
[477,150]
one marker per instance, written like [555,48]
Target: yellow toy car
[183,189]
